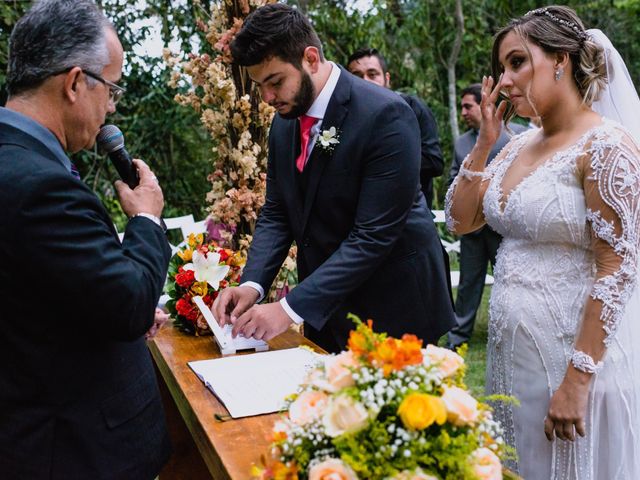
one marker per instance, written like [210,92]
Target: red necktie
[306,122]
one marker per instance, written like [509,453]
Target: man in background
[78,394]
[370,65]
[478,248]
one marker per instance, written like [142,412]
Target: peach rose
[309,406]
[417,474]
[486,464]
[338,372]
[344,415]
[445,360]
[462,408]
[332,469]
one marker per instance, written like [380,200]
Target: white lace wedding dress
[571,235]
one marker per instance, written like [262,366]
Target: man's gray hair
[55,35]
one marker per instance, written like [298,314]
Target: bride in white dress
[564,332]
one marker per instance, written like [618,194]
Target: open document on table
[257,383]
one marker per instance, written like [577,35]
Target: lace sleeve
[463,203]
[612,191]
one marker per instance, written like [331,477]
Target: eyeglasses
[115,91]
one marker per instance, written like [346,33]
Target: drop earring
[559,73]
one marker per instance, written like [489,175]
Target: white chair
[184,223]
[195,228]
[439,216]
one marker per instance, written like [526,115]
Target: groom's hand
[233,302]
[262,322]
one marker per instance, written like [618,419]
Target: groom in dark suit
[78,392]
[343,183]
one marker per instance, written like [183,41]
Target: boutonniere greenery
[328,139]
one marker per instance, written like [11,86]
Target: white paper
[223,335]
[257,383]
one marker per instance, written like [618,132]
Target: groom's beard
[303,99]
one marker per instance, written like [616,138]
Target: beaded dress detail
[571,233]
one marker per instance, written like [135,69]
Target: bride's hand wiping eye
[491,125]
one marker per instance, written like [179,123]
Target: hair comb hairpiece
[582,35]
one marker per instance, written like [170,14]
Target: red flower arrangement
[200,268]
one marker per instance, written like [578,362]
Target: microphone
[111,141]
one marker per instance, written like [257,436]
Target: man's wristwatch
[158,221]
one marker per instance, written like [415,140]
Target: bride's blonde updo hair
[559,29]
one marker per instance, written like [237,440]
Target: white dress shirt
[317,110]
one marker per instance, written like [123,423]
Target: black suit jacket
[78,393]
[432,164]
[366,241]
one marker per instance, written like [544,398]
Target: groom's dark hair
[274,30]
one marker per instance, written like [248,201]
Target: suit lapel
[333,117]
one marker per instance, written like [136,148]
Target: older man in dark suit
[78,393]
[343,182]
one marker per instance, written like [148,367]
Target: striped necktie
[74,171]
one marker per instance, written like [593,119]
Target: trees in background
[416,36]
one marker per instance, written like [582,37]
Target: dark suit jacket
[432,164]
[78,393]
[366,241]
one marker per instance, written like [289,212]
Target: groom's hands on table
[233,302]
[236,306]
[262,322]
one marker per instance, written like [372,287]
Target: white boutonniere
[328,139]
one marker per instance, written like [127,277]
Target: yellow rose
[419,410]
[307,407]
[445,360]
[344,415]
[486,464]
[462,408]
[331,469]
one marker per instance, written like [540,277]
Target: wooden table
[203,447]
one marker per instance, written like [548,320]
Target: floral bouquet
[385,409]
[200,268]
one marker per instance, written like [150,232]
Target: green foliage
[10,13]
[166,135]
[415,36]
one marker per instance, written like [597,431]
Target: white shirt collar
[319,106]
